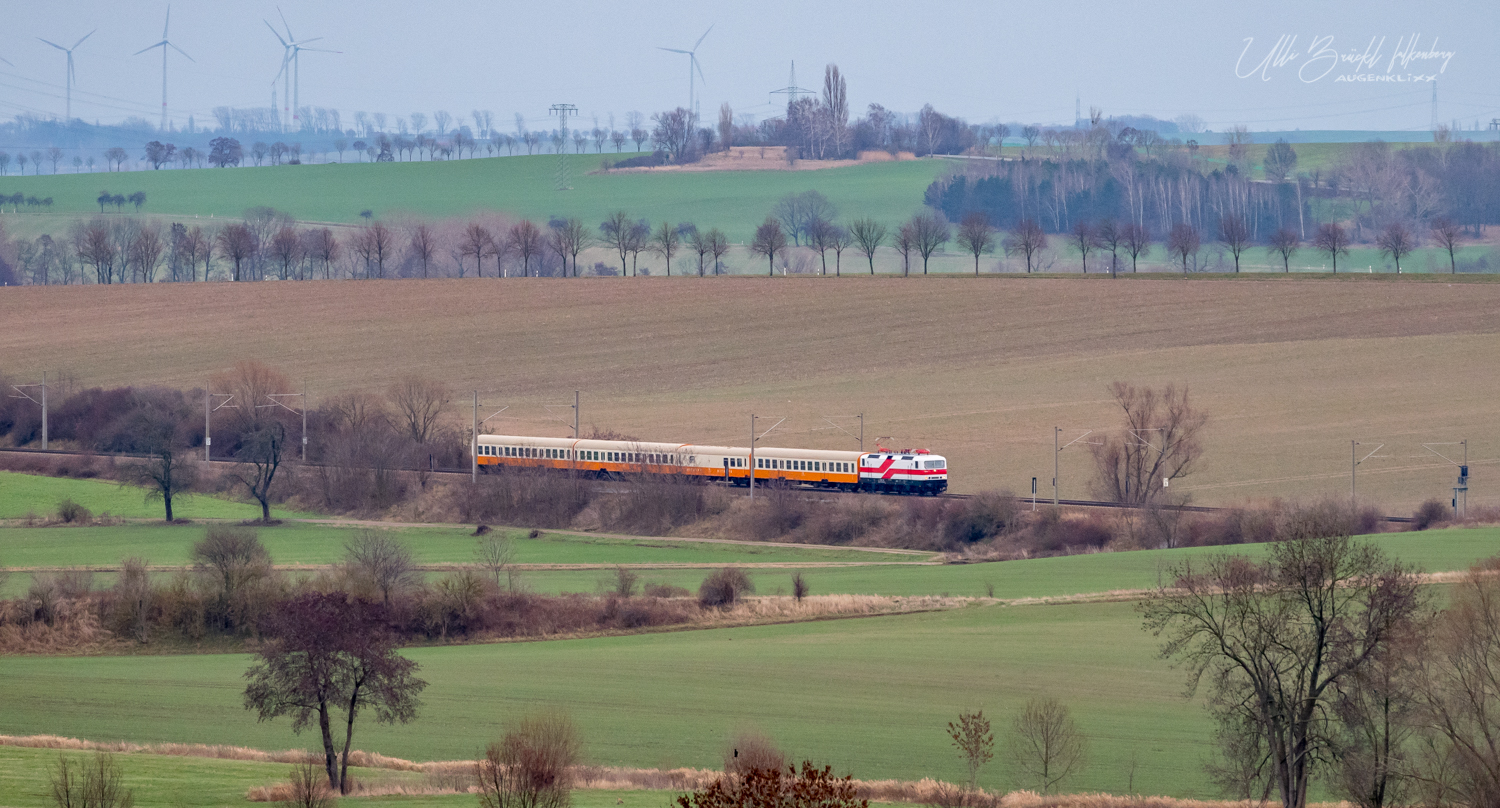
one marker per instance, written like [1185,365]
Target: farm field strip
[301,545]
[180,781]
[28,494]
[863,695]
[1289,371]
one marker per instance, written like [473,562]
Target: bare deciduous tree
[1027,239]
[286,250]
[525,240]
[1460,689]
[1284,242]
[169,468]
[260,455]
[769,241]
[975,742]
[664,242]
[423,245]
[1234,234]
[1136,240]
[1333,240]
[977,237]
[1184,242]
[1084,240]
[238,244]
[1448,234]
[496,553]
[233,560]
[1275,640]
[718,246]
[1111,237]
[1159,441]
[478,242]
[868,235]
[931,233]
[820,237]
[572,238]
[419,403]
[1046,746]
[382,562]
[1396,241]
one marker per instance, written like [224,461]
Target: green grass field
[303,543]
[735,201]
[869,696]
[1431,551]
[23,494]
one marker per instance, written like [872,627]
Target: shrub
[520,497]
[752,750]
[778,788]
[799,586]
[72,513]
[981,517]
[1429,513]
[656,505]
[307,787]
[532,766]
[724,588]
[93,783]
[664,591]
[777,511]
[625,582]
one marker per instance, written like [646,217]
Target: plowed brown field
[980,370]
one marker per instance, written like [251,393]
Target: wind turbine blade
[314,39]
[7,61]
[273,31]
[284,23]
[320,50]
[53,44]
[153,47]
[181,51]
[701,38]
[676,50]
[85,36]
[699,68]
[166,24]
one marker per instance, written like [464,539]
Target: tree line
[1119,191]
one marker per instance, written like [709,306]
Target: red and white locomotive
[909,471]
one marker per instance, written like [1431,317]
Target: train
[907,471]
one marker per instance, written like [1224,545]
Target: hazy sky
[983,61]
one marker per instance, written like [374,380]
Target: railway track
[1072,503]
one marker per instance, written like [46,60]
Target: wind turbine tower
[293,89]
[692,69]
[68,115]
[164,44]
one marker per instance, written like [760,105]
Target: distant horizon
[1277,65]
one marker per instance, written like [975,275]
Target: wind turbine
[69,113]
[164,44]
[292,49]
[692,68]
